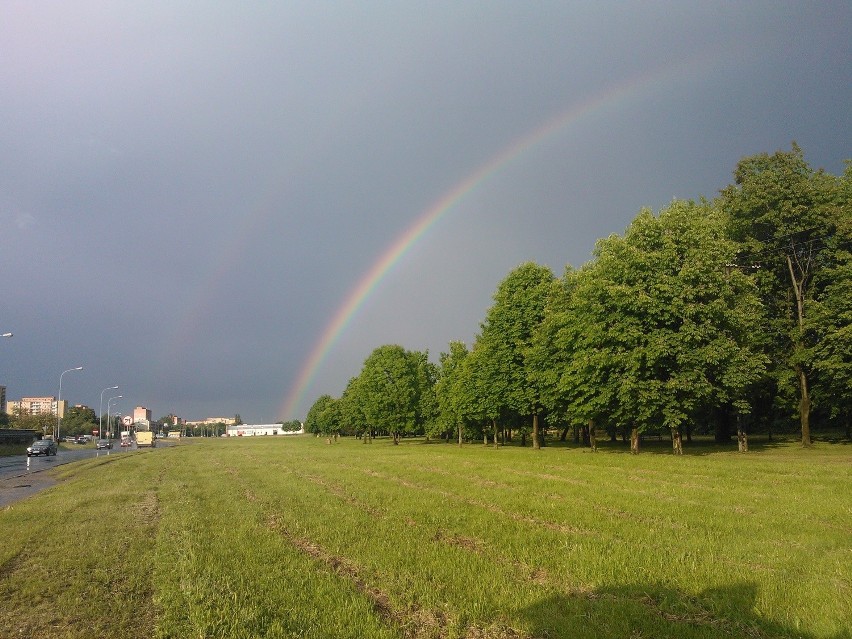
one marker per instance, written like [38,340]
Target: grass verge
[275,537]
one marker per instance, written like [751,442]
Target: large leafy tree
[547,357]
[829,325]
[315,422]
[79,420]
[352,411]
[390,385]
[785,215]
[292,426]
[43,422]
[589,346]
[329,419]
[658,328]
[487,385]
[426,418]
[499,361]
[450,389]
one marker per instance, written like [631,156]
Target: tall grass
[274,537]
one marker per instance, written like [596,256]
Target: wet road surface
[22,476]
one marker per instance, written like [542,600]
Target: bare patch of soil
[148,509]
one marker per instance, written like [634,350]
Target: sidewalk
[14,489]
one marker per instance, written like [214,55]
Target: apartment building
[37,406]
[3,400]
[141,414]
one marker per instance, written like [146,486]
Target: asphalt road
[22,476]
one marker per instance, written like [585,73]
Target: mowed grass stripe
[411,622]
[677,561]
[437,536]
[386,555]
[222,571]
[696,508]
[545,557]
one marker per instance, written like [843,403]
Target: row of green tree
[718,316]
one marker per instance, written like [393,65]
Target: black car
[103,443]
[42,447]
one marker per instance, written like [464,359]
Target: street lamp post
[59,401]
[101,412]
[109,424]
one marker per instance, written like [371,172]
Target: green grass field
[292,537]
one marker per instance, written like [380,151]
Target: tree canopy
[657,328]
[790,221]
[391,390]
[499,361]
[699,315]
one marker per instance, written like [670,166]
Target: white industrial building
[253,430]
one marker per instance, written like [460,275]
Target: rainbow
[356,298]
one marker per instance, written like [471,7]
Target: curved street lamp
[109,425]
[101,412]
[59,402]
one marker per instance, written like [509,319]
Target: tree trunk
[634,440]
[576,434]
[742,438]
[494,424]
[677,443]
[804,406]
[523,438]
[536,441]
[484,437]
[396,438]
[460,435]
[564,434]
[804,398]
[593,440]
